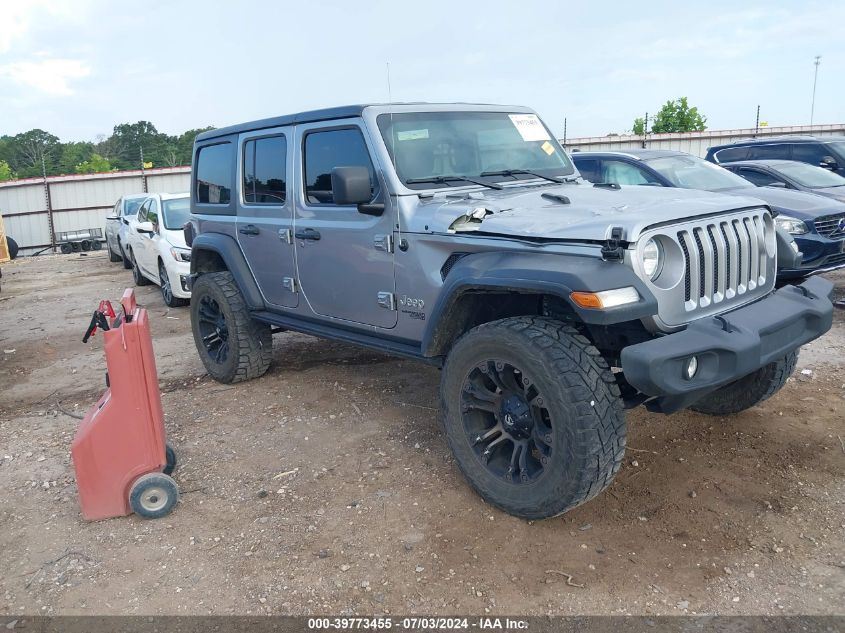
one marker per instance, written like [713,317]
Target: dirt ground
[327,487]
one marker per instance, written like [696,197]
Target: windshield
[130,207]
[691,172]
[810,175]
[428,145]
[176,213]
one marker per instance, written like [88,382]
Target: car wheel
[126,263]
[113,257]
[137,275]
[233,347]
[750,390]
[167,289]
[533,415]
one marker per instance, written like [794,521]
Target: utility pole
[564,133]
[757,124]
[817,61]
[645,128]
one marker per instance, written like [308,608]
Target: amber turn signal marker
[587,299]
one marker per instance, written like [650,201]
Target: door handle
[249,229]
[307,234]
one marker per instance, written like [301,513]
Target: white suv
[157,249]
[118,225]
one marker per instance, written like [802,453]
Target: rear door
[344,258]
[113,226]
[265,214]
[145,251]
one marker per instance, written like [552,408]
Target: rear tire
[533,415]
[113,257]
[750,390]
[126,263]
[232,346]
[137,275]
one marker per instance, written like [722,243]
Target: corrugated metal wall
[77,202]
[693,142]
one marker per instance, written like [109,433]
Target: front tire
[233,347]
[533,415]
[750,390]
[167,295]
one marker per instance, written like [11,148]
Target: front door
[265,215]
[344,259]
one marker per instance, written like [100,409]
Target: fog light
[691,368]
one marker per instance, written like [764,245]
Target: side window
[809,153]
[763,152]
[152,211]
[759,178]
[326,150]
[615,171]
[142,212]
[214,174]
[731,154]
[589,168]
[264,170]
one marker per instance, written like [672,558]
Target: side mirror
[145,227]
[351,185]
[112,217]
[829,162]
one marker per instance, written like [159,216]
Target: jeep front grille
[831,226]
[713,264]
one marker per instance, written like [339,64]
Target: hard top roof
[341,112]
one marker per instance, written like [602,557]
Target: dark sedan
[790,174]
[816,223]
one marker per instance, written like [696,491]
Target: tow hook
[612,249]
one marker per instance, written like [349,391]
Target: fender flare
[233,258]
[537,273]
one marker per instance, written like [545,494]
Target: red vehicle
[120,454]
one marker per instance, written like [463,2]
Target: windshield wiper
[527,172]
[445,180]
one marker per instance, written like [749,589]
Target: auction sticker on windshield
[530,127]
[411,135]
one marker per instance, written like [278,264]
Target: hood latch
[612,249]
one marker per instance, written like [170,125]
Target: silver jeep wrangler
[461,235]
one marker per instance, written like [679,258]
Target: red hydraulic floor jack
[120,454]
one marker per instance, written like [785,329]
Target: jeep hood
[542,212]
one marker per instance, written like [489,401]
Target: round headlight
[652,256]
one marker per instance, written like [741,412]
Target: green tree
[94,165]
[128,139]
[5,171]
[30,148]
[72,154]
[674,116]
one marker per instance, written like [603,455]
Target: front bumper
[729,346]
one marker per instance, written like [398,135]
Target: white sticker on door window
[411,135]
[530,127]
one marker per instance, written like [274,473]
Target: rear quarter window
[731,154]
[214,176]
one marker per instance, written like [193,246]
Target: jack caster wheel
[153,495]
[170,464]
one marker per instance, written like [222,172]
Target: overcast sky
[78,67]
